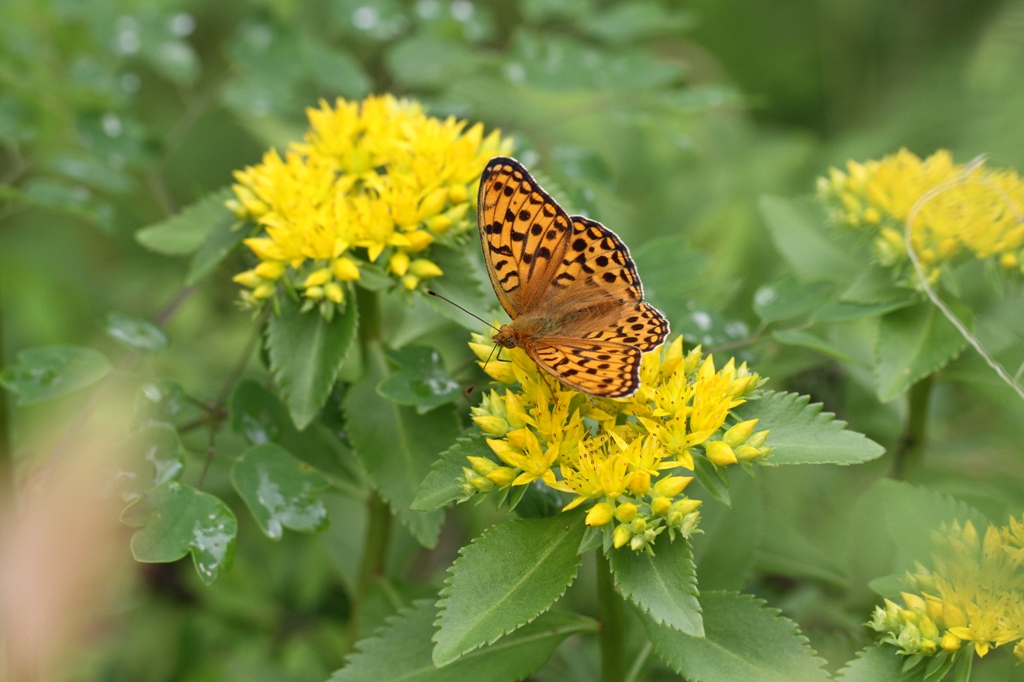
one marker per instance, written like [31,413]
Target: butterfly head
[506,337]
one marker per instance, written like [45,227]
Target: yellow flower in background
[371,179]
[622,455]
[979,214]
[973,595]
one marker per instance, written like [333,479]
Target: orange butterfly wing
[572,272]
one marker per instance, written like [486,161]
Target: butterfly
[567,282]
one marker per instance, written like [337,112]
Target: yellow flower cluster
[978,211]
[370,178]
[974,593]
[616,453]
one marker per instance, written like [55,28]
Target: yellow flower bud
[686,505]
[927,627]
[758,439]
[482,465]
[424,269]
[720,453]
[345,269]
[872,216]
[491,425]
[236,207]
[419,240]
[315,293]
[638,525]
[333,292]
[948,247]
[747,453]
[502,476]
[410,282]
[661,506]
[621,536]
[1008,261]
[457,194]
[318,278]
[928,647]
[670,486]
[457,213]
[951,643]
[599,514]
[639,482]
[970,536]
[439,224]
[399,263]
[249,278]
[740,432]
[637,542]
[263,291]
[625,512]
[271,270]
[434,202]
[952,616]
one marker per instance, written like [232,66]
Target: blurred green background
[665,120]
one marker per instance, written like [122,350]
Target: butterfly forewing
[597,263]
[600,368]
[522,232]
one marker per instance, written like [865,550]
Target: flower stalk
[912,441]
[611,613]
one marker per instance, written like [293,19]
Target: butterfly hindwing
[522,232]
[600,368]
[641,325]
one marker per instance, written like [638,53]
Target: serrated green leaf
[184,233]
[802,434]
[401,650]
[260,417]
[788,298]
[50,372]
[279,491]
[798,337]
[724,550]
[504,579]
[421,382]
[224,238]
[912,511]
[711,480]
[441,485]
[913,343]
[134,333]
[878,663]
[175,519]
[305,353]
[664,585]
[461,283]
[799,234]
[397,446]
[744,640]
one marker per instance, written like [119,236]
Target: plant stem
[611,613]
[378,526]
[912,441]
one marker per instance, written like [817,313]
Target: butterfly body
[567,282]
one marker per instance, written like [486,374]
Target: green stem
[912,441]
[378,527]
[611,613]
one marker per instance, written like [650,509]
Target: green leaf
[711,479]
[461,283]
[305,353]
[663,585]
[800,338]
[802,434]
[878,663]
[141,336]
[401,650]
[798,232]
[845,311]
[422,382]
[280,491]
[913,343]
[877,285]
[441,485]
[504,579]
[50,372]
[176,519]
[672,272]
[185,233]
[787,552]
[743,640]
[226,235]
[336,70]
[159,446]
[724,549]
[635,21]
[427,61]
[787,298]
[397,446]
[911,512]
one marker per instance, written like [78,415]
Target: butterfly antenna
[477,380]
[434,293]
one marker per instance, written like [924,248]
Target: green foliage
[744,640]
[53,371]
[421,380]
[441,485]
[186,232]
[141,336]
[878,663]
[664,585]
[505,579]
